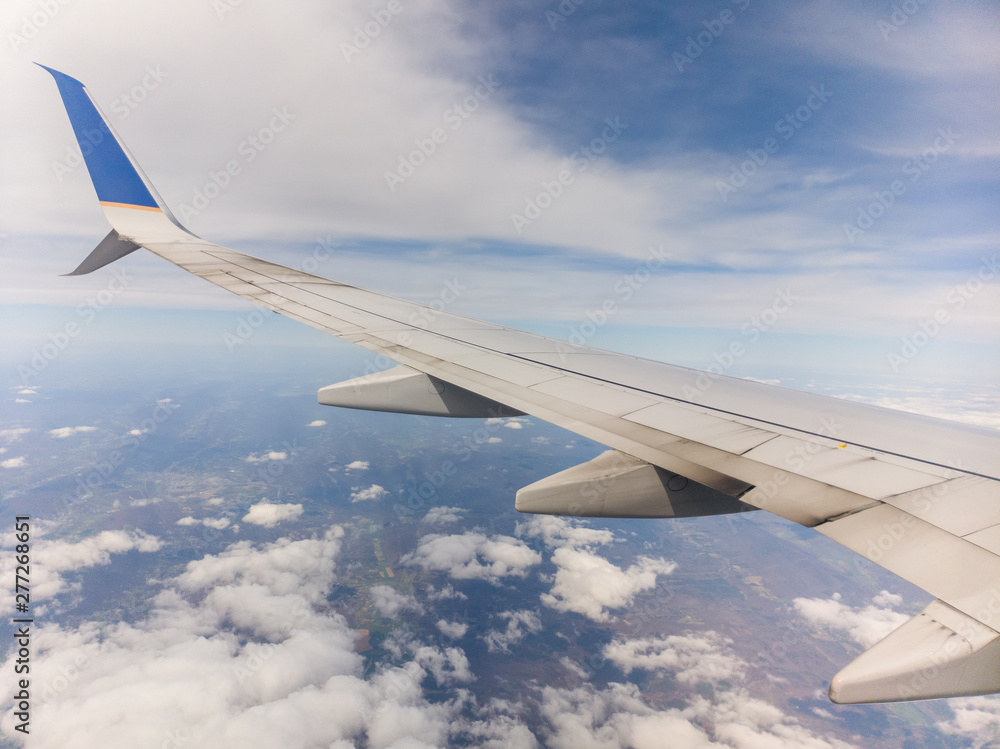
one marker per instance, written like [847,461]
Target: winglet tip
[59,75]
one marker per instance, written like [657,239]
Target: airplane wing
[916,495]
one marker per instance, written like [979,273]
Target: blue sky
[844,155]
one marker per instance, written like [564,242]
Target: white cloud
[264,457]
[316,423]
[27,391]
[445,593]
[64,432]
[519,624]
[508,422]
[216,523]
[976,719]
[270,514]
[12,435]
[865,626]
[251,629]
[21,400]
[357,465]
[12,462]
[474,556]
[389,601]
[618,717]
[372,492]
[590,585]
[694,658]
[454,630]
[448,666]
[559,532]
[52,559]
[444,514]
[494,440]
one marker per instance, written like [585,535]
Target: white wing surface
[916,495]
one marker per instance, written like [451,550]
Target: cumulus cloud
[454,630]
[216,523]
[474,556]
[372,492]
[274,667]
[590,585]
[389,601]
[693,658]
[316,423]
[52,559]
[448,666]
[558,532]
[270,514]
[12,435]
[618,717]
[444,514]
[865,626]
[264,457]
[357,465]
[977,719]
[519,624]
[12,462]
[445,593]
[64,432]
[510,422]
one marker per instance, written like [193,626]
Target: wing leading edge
[919,496]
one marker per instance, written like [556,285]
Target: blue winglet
[115,177]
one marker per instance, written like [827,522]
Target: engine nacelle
[405,390]
[616,485]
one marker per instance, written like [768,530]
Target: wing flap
[960,573]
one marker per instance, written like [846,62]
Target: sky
[707,158]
